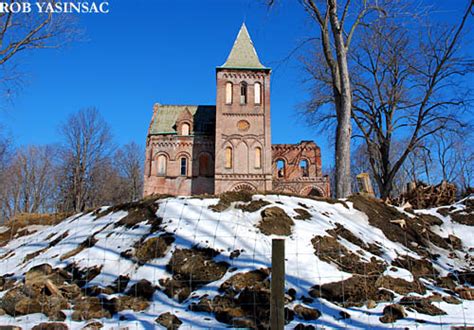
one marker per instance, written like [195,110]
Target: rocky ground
[205,263]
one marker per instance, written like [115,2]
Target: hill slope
[204,263]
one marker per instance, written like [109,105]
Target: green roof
[243,54]
[165,116]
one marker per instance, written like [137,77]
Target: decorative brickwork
[212,149]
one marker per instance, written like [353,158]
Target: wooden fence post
[277,304]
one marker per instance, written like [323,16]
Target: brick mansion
[202,149]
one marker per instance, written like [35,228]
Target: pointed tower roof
[243,54]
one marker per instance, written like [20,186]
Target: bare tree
[87,142]
[337,25]
[108,187]
[24,32]
[29,181]
[5,158]
[407,87]
[129,161]
[464,159]
[20,32]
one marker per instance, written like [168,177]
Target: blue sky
[147,51]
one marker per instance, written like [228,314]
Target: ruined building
[201,149]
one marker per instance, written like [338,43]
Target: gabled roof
[165,117]
[243,54]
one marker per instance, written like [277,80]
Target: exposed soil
[399,285]
[240,281]
[343,232]
[357,290]
[351,292]
[88,243]
[81,276]
[328,249]
[253,206]
[245,301]
[454,241]
[169,321]
[418,267]
[155,247]
[392,313]
[120,284]
[306,313]
[319,199]
[414,233]
[50,326]
[138,211]
[88,308]
[191,269]
[227,198]
[302,214]
[275,221]
[421,305]
[143,289]
[463,217]
[126,302]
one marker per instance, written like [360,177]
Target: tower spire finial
[243,54]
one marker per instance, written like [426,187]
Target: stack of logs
[421,195]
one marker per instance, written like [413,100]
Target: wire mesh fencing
[183,262]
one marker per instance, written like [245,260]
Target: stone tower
[243,156]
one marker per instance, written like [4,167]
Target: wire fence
[180,264]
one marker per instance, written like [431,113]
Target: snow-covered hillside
[204,263]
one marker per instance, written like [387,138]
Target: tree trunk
[344,128]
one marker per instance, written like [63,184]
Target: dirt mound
[227,198]
[341,231]
[351,292]
[143,289]
[275,221]
[414,233]
[51,326]
[244,300]
[240,281]
[464,217]
[138,211]
[399,285]
[306,313]
[328,249]
[392,313]
[169,321]
[191,269]
[155,247]
[418,267]
[253,206]
[88,308]
[302,214]
[421,305]
[88,243]
[126,302]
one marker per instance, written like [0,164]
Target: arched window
[258,157]
[204,165]
[228,93]
[161,170]
[184,166]
[258,92]
[280,168]
[304,168]
[228,157]
[243,92]
[185,129]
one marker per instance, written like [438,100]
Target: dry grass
[17,224]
